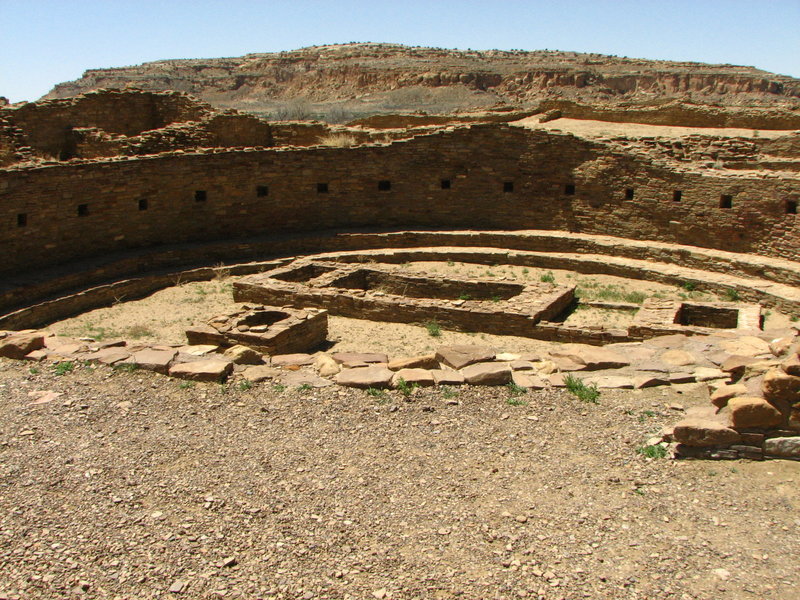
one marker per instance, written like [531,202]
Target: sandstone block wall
[489,176]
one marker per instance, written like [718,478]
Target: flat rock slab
[448,377]
[360,357]
[786,447]
[198,349]
[746,346]
[610,382]
[260,373]
[750,412]
[678,358]
[704,433]
[462,355]
[591,357]
[420,377]
[212,369]
[365,377]
[301,378]
[17,345]
[723,393]
[423,361]
[292,360]
[110,356]
[153,360]
[242,355]
[528,380]
[487,373]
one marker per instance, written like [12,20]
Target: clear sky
[49,41]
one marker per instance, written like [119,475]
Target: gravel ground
[131,485]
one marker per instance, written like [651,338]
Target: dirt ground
[164,315]
[129,485]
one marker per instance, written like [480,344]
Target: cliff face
[391,77]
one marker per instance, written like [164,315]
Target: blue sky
[46,42]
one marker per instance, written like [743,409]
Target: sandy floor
[588,128]
[164,315]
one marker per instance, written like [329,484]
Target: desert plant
[652,451]
[448,392]
[731,294]
[338,140]
[126,367]
[306,387]
[244,385]
[65,367]
[139,331]
[464,296]
[547,277]
[434,330]
[583,392]
[405,387]
[185,385]
[689,286]
[278,388]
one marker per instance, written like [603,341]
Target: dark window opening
[83,210]
[143,204]
[726,201]
[629,194]
[445,184]
[384,185]
[262,190]
[200,196]
[22,220]
[508,186]
[322,188]
[791,207]
[677,195]
[569,189]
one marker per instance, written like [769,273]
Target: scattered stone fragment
[423,361]
[242,355]
[326,366]
[421,377]
[36,355]
[522,365]
[791,365]
[709,374]
[212,369]
[506,357]
[487,374]
[752,413]
[723,393]
[177,587]
[462,355]
[365,377]
[292,360]
[260,373]
[110,356]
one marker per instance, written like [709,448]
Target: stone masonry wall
[490,176]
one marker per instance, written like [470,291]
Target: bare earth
[128,485]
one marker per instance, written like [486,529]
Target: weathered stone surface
[506,357]
[303,378]
[746,346]
[242,355]
[791,365]
[528,380]
[646,380]
[365,377]
[153,360]
[110,356]
[786,447]
[677,358]
[326,366]
[260,373]
[566,364]
[36,355]
[753,413]
[704,433]
[423,361]
[781,345]
[723,393]
[17,345]
[292,360]
[459,356]
[592,358]
[487,373]
[420,377]
[198,349]
[211,369]
[736,365]
[360,357]
[522,365]
[709,374]
[448,377]
[611,382]
[780,387]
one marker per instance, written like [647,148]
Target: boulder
[791,365]
[704,433]
[779,387]
[326,366]
[360,357]
[747,412]
[448,377]
[207,369]
[785,447]
[723,393]
[242,355]
[365,377]
[17,345]
[420,377]
[487,374]
[152,359]
[210,369]
[423,361]
[591,357]
[462,355]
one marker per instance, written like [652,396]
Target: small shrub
[126,367]
[516,390]
[635,297]
[450,263]
[186,385]
[33,370]
[65,367]
[689,286]
[278,388]
[547,277]
[583,392]
[516,402]
[338,140]
[381,397]
[652,451]
[731,294]
[306,387]
[496,298]
[405,387]
[434,330]
[464,296]
[244,385]
[448,392]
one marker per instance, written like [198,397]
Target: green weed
[731,294]
[278,388]
[244,385]
[583,392]
[434,330]
[689,286]
[405,387]
[547,277]
[306,387]
[464,296]
[65,367]
[186,385]
[34,370]
[448,392]
[652,451]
